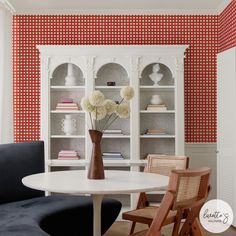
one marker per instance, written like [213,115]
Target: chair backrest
[18,160]
[191,187]
[187,190]
[164,164]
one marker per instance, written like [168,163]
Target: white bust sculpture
[155,76]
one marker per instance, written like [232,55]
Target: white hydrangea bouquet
[105,111]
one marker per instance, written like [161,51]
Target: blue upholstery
[17,161]
[26,213]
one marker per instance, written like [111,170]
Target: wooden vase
[96,169]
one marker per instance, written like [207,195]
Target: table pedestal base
[97,203]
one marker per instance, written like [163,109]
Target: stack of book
[112,132]
[112,156]
[155,132]
[67,104]
[68,155]
[160,107]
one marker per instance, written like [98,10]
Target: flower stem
[107,121]
[111,122]
[91,119]
[121,100]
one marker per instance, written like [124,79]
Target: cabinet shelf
[116,136]
[147,111]
[157,136]
[82,162]
[109,87]
[153,87]
[68,136]
[66,88]
[67,111]
[67,163]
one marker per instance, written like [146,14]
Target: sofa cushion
[18,160]
[55,215]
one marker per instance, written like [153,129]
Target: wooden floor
[121,228]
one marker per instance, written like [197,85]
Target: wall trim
[7,5]
[204,154]
[120,12]
[222,6]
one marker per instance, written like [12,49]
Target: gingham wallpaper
[200,32]
[227,27]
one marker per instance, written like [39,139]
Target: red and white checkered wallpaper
[227,27]
[200,32]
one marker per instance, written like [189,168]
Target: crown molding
[222,6]
[119,12]
[7,5]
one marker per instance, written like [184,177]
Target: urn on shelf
[68,125]
[155,76]
[156,99]
[70,79]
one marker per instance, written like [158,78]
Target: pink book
[66,100]
[68,151]
[68,158]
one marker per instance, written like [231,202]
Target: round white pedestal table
[115,182]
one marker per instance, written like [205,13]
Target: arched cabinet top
[68,74]
[79,62]
[112,72]
[167,62]
[101,62]
[156,73]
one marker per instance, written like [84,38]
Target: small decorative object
[156,99]
[111,83]
[155,76]
[70,79]
[68,125]
[103,112]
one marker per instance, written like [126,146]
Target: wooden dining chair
[187,192]
[159,164]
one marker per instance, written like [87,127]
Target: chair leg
[192,216]
[177,223]
[132,228]
[196,229]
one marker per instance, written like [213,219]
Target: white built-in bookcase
[94,66]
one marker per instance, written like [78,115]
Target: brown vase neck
[95,135]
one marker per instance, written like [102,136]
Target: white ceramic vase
[156,99]
[68,125]
[70,79]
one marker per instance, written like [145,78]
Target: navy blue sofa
[27,212]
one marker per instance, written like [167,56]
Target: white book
[111,154]
[68,158]
[156,108]
[111,134]
[117,131]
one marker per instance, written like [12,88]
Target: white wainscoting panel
[204,154]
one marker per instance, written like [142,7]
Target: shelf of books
[67,120]
[157,110]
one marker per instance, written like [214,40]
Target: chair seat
[145,215]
